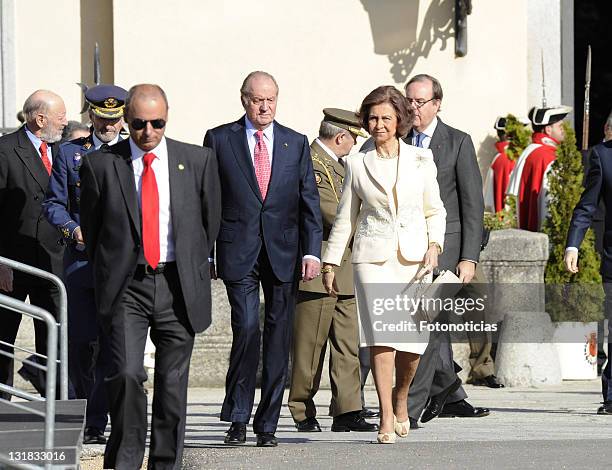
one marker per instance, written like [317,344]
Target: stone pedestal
[211,350]
[526,355]
[514,263]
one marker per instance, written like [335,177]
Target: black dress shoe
[414,423]
[266,439]
[436,403]
[369,413]
[605,409]
[462,409]
[352,421]
[236,434]
[489,381]
[93,436]
[308,425]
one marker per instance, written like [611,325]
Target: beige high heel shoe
[401,429]
[386,438]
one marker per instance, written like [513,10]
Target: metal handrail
[51,368]
[62,320]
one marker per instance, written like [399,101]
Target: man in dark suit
[597,187]
[88,354]
[270,218]
[26,156]
[461,191]
[150,212]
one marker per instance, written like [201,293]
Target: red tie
[262,164]
[150,212]
[45,157]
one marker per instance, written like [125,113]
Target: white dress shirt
[268,133]
[98,143]
[327,150]
[37,142]
[429,131]
[162,177]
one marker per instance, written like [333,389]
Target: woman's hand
[430,260]
[329,280]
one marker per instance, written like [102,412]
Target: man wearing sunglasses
[271,234]
[88,353]
[150,212]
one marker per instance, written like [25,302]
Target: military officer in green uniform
[319,318]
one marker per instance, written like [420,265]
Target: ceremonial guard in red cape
[498,175]
[529,179]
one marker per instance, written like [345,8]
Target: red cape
[532,177]
[502,166]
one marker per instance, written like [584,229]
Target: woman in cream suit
[391,202]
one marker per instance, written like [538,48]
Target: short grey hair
[245,89]
[435,84]
[327,130]
[72,127]
[149,89]
[33,106]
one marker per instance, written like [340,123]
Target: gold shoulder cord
[315,158]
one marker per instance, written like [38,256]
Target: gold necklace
[386,157]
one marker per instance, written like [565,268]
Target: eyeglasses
[419,103]
[140,124]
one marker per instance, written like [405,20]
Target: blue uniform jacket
[61,205]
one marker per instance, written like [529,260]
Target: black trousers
[606,374]
[42,294]
[88,348]
[280,300]
[436,371]
[154,301]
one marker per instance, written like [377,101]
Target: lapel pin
[285,145]
[181,166]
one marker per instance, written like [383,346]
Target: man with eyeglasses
[461,191]
[150,212]
[88,353]
[271,233]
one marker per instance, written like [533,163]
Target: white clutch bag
[433,295]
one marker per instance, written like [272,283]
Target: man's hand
[571,261]
[6,278]
[329,283]
[78,236]
[466,270]
[310,269]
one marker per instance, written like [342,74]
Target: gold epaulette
[315,158]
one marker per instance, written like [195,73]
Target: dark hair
[435,84]
[391,95]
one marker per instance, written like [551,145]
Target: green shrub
[584,301]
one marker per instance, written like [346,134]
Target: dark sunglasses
[140,124]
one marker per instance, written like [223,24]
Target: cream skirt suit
[394,209]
